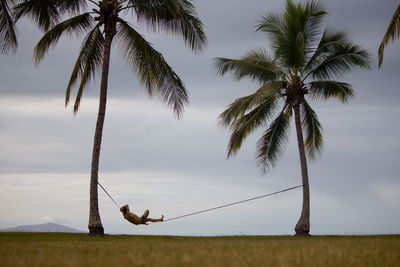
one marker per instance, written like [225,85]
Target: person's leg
[146,214]
[155,220]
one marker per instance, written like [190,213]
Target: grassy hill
[52,249]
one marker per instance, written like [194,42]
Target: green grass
[48,249]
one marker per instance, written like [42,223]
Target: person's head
[124,209]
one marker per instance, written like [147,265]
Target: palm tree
[304,64]
[392,32]
[8,36]
[102,26]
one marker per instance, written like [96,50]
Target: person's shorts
[144,219]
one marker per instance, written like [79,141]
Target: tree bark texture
[303,225]
[95,226]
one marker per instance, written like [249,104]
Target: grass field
[53,249]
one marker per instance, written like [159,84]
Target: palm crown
[173,16]
[304,63]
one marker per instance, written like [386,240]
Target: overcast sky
[151,160]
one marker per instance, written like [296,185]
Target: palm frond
[328,89]
[47,13]
[174,16]
[240,106]
[392,32]
[274,26]
[256,65]
[43,12]
[151,11]
[8,36]
[88,63]
[152,70]
[75,25]
[189,26]
[271,143]
[293,32]
[313,131]
[312,28]
[247,123]
[340,58]
[329,38]
[71,6]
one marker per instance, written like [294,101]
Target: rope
[234,203]
[107,193]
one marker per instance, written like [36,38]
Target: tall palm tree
[304,63]
[104,24]
[392,32]
[8,36]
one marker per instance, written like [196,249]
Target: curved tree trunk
[95,226]
[303,225]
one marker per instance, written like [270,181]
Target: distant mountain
[46,227]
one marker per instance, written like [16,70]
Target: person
[136,220]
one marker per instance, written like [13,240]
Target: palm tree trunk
[95,226]
[303,225]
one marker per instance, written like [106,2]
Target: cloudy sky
[151,160]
